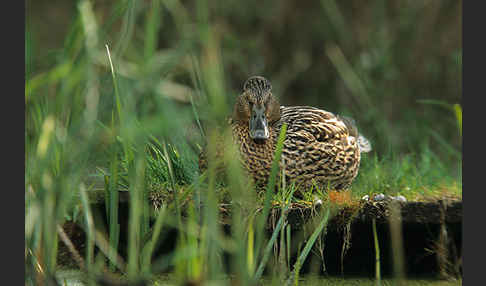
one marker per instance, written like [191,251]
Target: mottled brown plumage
[320,148]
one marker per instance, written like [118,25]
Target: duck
[320,149]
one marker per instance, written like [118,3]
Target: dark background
[394,66]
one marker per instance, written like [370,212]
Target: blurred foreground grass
[137,87]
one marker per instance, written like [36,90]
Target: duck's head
[257,107]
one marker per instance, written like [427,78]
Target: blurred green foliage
[370,60]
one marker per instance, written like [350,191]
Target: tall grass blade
[271,242]
[54,75]
[274,171]
[349,76]
[114,226]
[150,245]
[196,116]
[137,175]
[251,247]
[173,185]
[90,27]
[104,247]
[152,29]
[115,86]
[72,249]
[270,189]
[127,29]
[294,276]
[377,254]
[396,236]
[210,228]
[288,244]
[458,113]
[336,19]
[89,227]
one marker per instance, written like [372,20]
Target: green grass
[126,105]
[415,176]
[169,280]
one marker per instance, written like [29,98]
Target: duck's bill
[259,125]
[259,134]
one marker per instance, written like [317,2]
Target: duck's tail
[364,144]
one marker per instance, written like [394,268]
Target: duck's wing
[321,125]
[306,121]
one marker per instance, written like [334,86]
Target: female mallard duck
[320,148]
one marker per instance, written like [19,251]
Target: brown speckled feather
[317,149]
